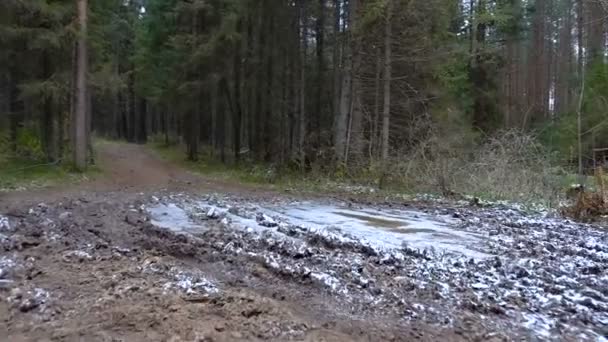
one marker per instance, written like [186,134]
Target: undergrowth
[508,167]
[26,168]
[24,173]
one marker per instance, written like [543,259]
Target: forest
[417,93]
[304,170]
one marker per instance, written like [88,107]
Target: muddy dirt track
[95,262]
[107,295]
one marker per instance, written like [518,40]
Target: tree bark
[564,66]
[320,36]
[386,110]
[336,62]
[579,37]
[48,129]
[14,115]
[80,138]
[237,114]
[302,97]
[249,83]
[260,85]
[354,147]
[344,108]
[374,140]
[142,134]
[596,23]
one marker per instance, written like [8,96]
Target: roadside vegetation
[27,168]
[511,167]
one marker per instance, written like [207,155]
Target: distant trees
[324,84]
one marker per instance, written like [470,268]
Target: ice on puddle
[386,229]
[172,217]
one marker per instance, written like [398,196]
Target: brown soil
[104,272]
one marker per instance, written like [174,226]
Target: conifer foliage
[328,84]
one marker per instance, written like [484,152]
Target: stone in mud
[375,291]
[213,214]
[265,220]
[65,215]
[79,256]
[29,304]
[522,273]
[4,224]
[134,218]
[592,270]
[550,247]
[288,230]
[588,302]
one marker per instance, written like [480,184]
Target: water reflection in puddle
[389,229]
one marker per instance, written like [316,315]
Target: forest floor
[148,251]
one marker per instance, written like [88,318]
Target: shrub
[510,165]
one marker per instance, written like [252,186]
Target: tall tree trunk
[374,142]
[249,82]
[221,123]
[354,142]
[302,98]
[48,129]
[537,64]
[260,84]
[386,110]
[483,108]
[513,92]
[80,138]
[344,108]
[596,26]
[89,125]
[320,36]
[237,114]
[142,132]
[13,103]
[293,83]
[131,107]
[269,113]
[564,66]
[165,123]
[336,67]
[580,43]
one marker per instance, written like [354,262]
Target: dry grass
[588,205]
[508,166]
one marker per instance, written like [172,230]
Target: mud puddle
[384,229]
[388,228]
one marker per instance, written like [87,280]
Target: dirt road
[151,252]
[81,263]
